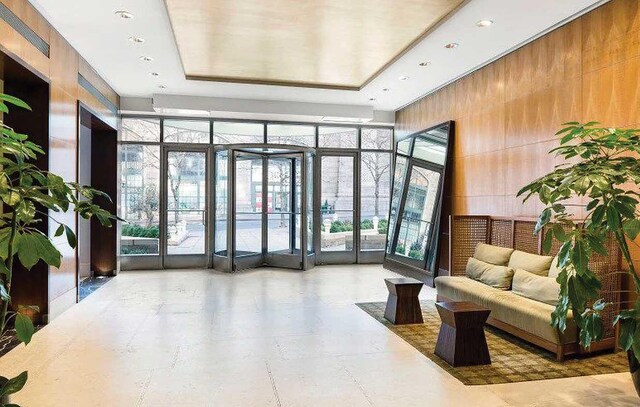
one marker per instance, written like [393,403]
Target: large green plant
[30,197]
[602,170]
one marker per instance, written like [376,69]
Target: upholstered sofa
[518,287]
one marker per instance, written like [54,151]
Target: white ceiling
[101,37]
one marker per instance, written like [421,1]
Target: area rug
[512,360]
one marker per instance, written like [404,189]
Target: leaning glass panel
[396,195]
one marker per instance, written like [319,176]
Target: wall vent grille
[14,21]
[97,94]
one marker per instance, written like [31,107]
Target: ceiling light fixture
[124,14]
[372,99]
[154,74]
[162,86]
[452,45]
[136,40]
[403,78]
[385,89]
[425,63]
[484,23]
[146,58]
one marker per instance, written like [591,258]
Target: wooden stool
[403,306]
[461,341]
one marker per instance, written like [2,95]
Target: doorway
[268,189]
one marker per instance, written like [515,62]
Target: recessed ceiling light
[484,23]
[136,40]
[385,90]
[154,74]
[403,78]
[372,99]
[146,58]
[162,86]
[452,45]
[124,14]
[425,63]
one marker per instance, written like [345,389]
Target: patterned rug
[512,360]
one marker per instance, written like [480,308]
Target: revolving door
[263,200]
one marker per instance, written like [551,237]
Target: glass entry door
[248,224]
[284,210]
[185,199]
[416,214]
[338,225]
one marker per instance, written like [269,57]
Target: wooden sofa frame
[466,231]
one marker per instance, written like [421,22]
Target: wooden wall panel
[61,69]
[62,161]
[507,113]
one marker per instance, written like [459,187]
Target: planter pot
[634,368]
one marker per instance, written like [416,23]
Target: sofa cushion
[492,254]
[535,287]
[494,276]
[530,316]
[465,289]
[523,313]
[532,263]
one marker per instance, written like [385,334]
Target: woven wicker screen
[469,230]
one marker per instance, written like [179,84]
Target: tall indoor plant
[30,197]
[602,169]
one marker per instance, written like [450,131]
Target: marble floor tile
[263,337]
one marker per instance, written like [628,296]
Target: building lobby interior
[320,203]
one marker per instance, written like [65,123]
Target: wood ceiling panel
[315,43]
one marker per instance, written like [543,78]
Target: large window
[140,198]
[291,134]
[337,137]
[355,191]
[237,132]
[375,173]
[186,131]
[145,130]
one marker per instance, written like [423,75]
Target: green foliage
[13,385]
[600,166]
[366,224]
[341,226]
[31,198]
[382,226]
[140,231]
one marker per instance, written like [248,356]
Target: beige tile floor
[266,337]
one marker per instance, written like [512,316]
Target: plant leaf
[71,237]
[24,328]
[35,246]
[14,385]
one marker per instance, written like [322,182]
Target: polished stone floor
[262,338]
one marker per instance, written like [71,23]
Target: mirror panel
[416,213]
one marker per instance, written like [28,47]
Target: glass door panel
[186,202]
[418,213]
[248,205]
[337,208]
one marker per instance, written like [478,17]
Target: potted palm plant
[30,197]
[602,170]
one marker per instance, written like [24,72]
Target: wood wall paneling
[61,68]
[507,113]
